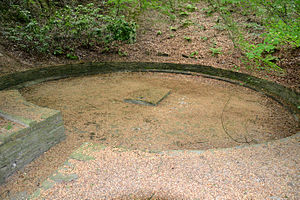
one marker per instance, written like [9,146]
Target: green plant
[236,68]
[276,23]
[208,11]
[20,14]
[253,26]
[171,36]
[158,33]
[80,26]
[58,51]
[202,27]
[184,14]
[121,30]
[220,27]
[71,56]
[9,126]
[194,54]
[173,28]
[191,8]
[187,38]
[186,23]
[132,8]
[122,53]
[126,7]
[204,38]
[216,51]
[213,43]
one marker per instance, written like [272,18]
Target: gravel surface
[265,171]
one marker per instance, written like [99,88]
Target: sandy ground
[193,116]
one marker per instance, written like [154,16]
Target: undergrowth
[259,28]
[59,28]
[70,28]
[268,27]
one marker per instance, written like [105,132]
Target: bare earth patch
[190,117]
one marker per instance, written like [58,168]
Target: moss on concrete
[21,146]
[59,177]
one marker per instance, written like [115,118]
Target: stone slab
[149,96]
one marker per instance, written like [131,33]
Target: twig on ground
[222,121]
[151,196]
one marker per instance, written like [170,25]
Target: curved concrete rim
[285,96]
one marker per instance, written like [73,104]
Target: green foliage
[71,56]
[187,38]
[253,26]
[126,7]
[61,27]
[121,30]
[132,8]
[71,28]
[21,10]
[213,43]
[204,38]
[20,14]
[208,11]
[122,53]
[171,36]
[9,126]
[194,54]
[216,51]
[191,8]
[236,68]
[201,27]
[186,23]
[276,22]
[184,14]
[173,28]
[220,27]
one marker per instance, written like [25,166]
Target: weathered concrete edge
[51,129]
[29,124]
[244,146]
[17,119]
[13,156]
[4,138]
[286,96]
[175,152]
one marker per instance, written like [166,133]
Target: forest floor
[189,43]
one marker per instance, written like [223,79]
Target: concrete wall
[20,147]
